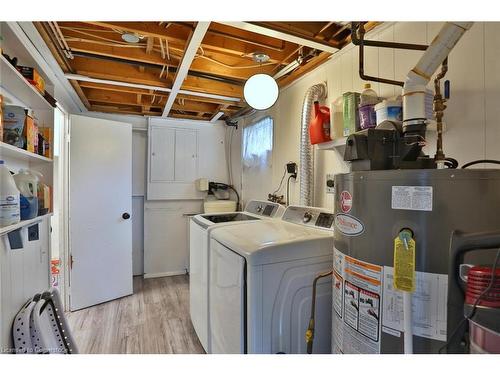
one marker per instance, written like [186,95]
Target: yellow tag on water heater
[404,264]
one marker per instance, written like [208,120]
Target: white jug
[27,182]
[9,198]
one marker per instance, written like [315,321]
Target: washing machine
[199,233]
[260,282]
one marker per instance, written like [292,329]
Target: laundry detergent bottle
[319,127]
[27,183]
[9,198]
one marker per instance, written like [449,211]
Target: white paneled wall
[472,117]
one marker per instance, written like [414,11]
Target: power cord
[487,161]
[473,310]
[281,182]
[288,188]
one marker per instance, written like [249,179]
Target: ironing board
[41,326]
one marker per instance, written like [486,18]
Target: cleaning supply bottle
[367,116]
[27,183]
[9,198]
[319,127]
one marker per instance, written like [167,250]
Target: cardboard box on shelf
[47,134]
[14,119]
[30,134]
[33,77]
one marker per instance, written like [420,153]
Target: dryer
[200,227]
[260,282]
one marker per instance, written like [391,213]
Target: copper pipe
[439,106]
[312,322]
[361,43]
[382,44]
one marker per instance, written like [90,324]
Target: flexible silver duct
[306,170]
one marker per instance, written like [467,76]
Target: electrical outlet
[330,188]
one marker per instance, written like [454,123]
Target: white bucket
[391,110]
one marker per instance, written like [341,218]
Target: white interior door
[100,200]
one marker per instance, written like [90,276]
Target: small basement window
[258,144]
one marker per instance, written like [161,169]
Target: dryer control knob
[307,217]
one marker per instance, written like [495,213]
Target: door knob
[126,216]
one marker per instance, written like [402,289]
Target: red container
[319,127]
[478,280]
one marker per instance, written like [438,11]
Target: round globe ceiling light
[261,91]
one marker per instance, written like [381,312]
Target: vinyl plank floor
[155,319]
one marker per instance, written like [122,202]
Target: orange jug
[319,127]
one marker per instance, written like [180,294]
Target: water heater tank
[371,209]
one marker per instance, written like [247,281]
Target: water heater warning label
[415,198]
[356,326]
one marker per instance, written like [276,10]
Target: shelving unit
[340,142]
[22,224]
[14,84]
[26,269]
[12,152]
[332,145]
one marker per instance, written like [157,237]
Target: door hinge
[71,262]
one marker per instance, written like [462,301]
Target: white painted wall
[473,129]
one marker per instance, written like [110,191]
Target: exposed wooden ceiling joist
[300,40]
[79,77]
[189,54]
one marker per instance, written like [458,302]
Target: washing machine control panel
[309,216]
[264,208]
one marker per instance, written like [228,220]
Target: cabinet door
[186,155]
[165,245]
[162,154]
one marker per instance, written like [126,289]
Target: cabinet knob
[126,216]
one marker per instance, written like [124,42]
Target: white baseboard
[164,274]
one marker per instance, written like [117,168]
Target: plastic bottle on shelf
[368,100]
[27,183]
[368,96]
[9,198]
[337,118]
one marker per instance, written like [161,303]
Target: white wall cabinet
[172,163]
[178,153]
[162,156]
[186,155]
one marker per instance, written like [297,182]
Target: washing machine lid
[272,241]
[254,210]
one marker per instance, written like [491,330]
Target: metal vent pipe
[306,170]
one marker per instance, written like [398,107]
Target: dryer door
[226,301]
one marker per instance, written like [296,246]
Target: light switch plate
[329,189]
